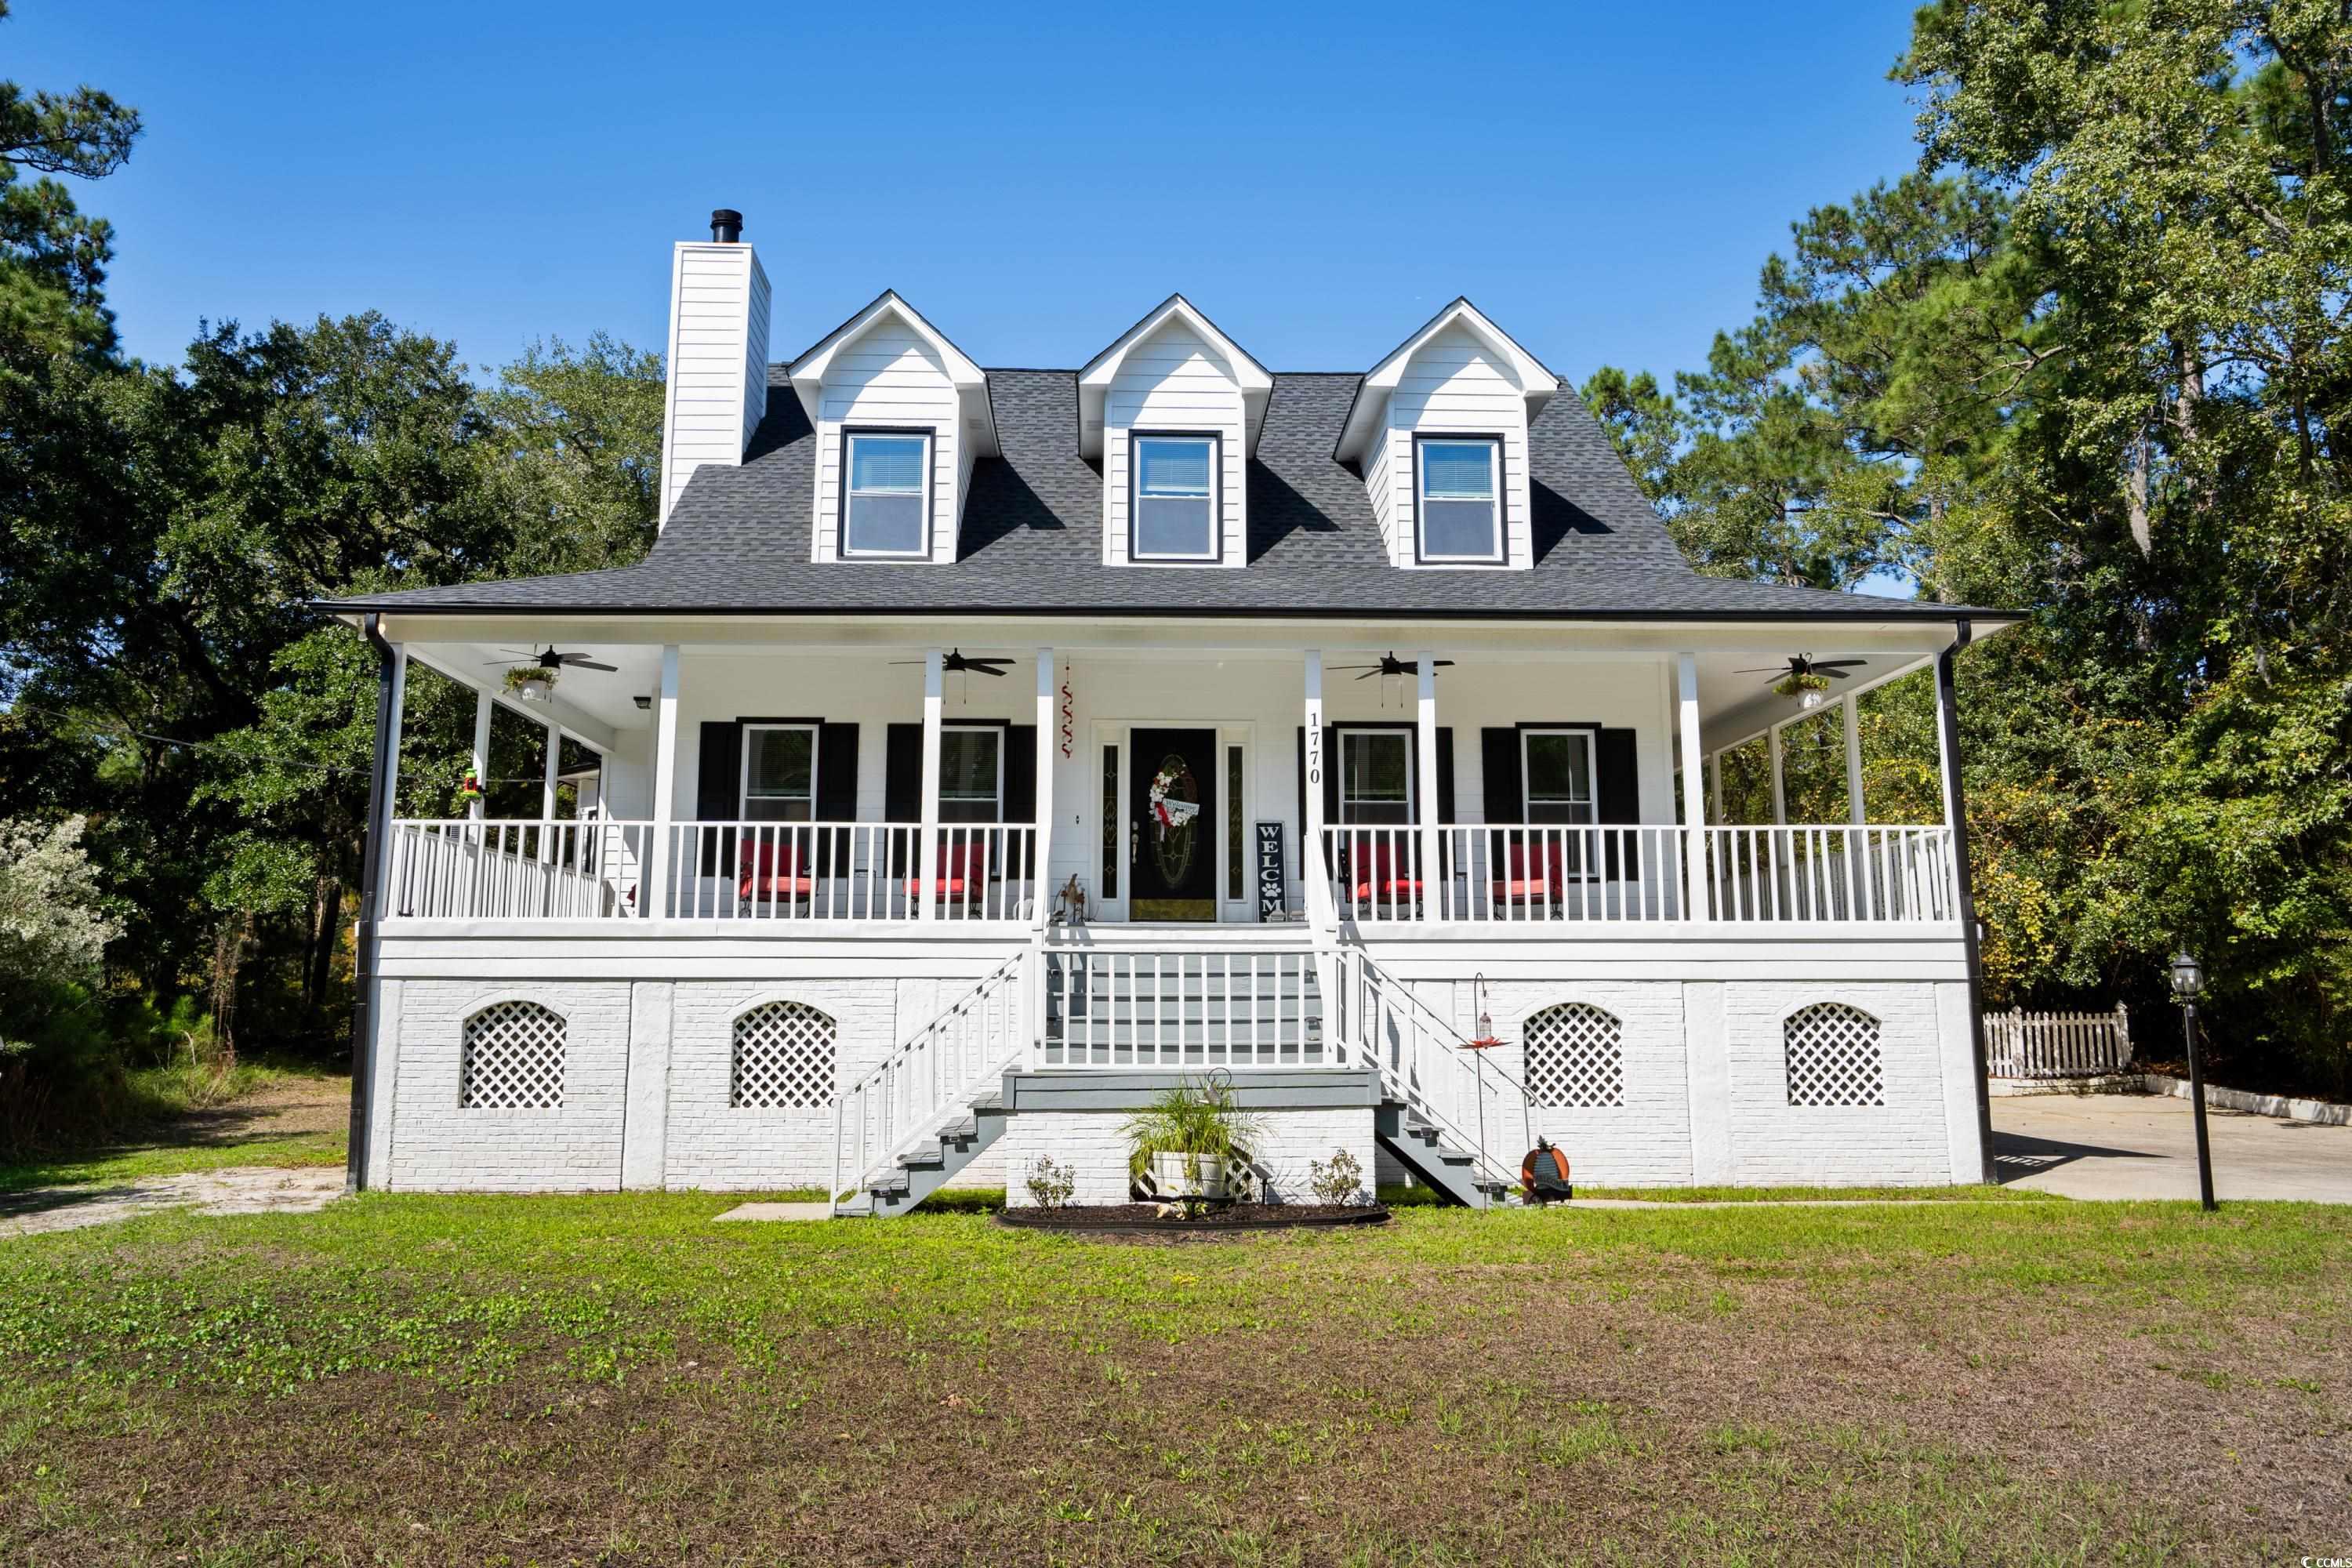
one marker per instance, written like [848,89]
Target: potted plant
[531,682]
[1804,685]
[1192,1142]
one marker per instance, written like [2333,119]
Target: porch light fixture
[643,701]
[2187,978]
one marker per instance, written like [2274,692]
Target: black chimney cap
[726,226]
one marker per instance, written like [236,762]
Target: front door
[1172,841]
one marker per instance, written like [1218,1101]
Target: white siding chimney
[717,354]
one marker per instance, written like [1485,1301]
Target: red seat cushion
[961,866]
[772,871]
[1543,881]
[1377,878]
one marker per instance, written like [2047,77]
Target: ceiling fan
[955,663]
[552,659]
[1390,665]
[1804,677]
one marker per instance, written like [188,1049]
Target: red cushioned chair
[771,872]
[963,873]
[1379,888]
[1533,874]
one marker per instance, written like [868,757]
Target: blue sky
[1603,179]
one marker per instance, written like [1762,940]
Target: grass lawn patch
[615,1379]
[270,1116]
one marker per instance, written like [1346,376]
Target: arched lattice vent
[1575,1055]
[1833,1056]
[513,1060]
[784,1057]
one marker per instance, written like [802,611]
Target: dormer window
[1458,491]
[886,494]
[1174,506]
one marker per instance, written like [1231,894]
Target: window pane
[779,774]
[885,522]
[1164,526]
[893,463]
[1457,528]
[967,774]
[1236,842]
[1173,468]
[1462,470]
[1375,769]
[1560,778]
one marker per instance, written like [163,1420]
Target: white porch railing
[2019,1043]
[1636,874]
[466,870]
[1190,1010]
[931,1078]
[1428,1064]
[849,871]
[1877,875]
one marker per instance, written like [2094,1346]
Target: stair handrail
[881,1085]
[1460,1055]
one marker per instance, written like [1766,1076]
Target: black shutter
[1498,763]
[1020,780]
[1617,788]
[902,774]
[836,786]
[718,791]
[1445,773]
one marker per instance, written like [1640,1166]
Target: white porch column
[1695,872]
[927,837]
[1853,811]
[1779,786]
[1434,897]
[482,706]
[547,775]
[1315,878]
[1045,738]
[391,770]
[658,853]
[1945,719]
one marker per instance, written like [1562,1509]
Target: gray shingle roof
[739,539]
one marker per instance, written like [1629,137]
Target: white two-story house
[982,750]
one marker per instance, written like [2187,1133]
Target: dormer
[1171,412]
[900,415]
[1439,431]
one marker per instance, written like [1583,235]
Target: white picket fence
[2019,1043]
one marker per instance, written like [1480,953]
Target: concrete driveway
[2143,1146]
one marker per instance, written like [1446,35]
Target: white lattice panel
[784,1057]
[1833,1057]
[1575,1055]
[513,1060]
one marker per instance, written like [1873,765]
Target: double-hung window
[1458,489]
[971,774]
[1174,507]
[886,492]
[1375,776]
[1557,775]
[779,773]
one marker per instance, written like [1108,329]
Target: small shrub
[1050,1185]
[1337,1180]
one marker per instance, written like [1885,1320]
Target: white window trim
[1591,774]
[849,435]
[1216,551]
[1412,802]
[1421,553]
[1004,741]
[743,775]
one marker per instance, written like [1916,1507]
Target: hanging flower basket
[469,788]
[531,682]
[1797,685]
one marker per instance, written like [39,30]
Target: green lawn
[411,1379]
[261,1115]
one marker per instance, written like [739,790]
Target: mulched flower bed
[1231,1220]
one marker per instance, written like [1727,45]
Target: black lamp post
[2188,981]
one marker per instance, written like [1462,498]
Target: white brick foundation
[647,1065]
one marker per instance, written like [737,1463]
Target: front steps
[895,1189]
[1257,1007]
